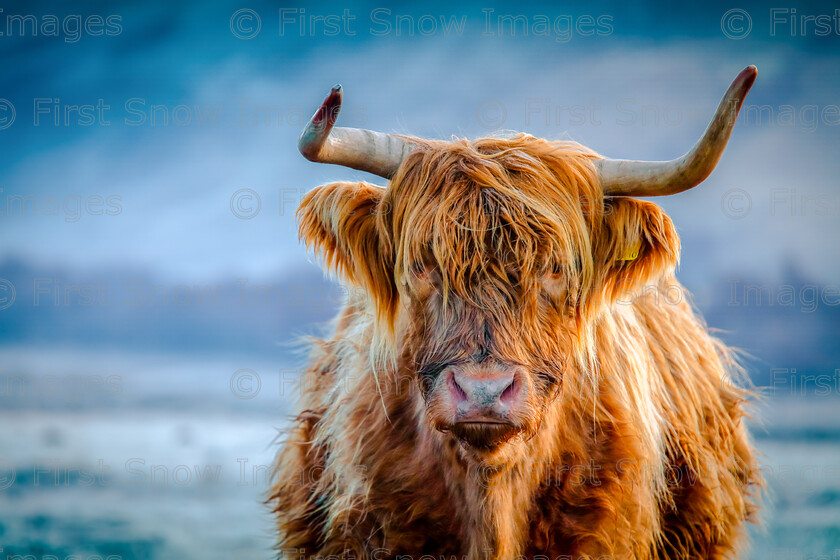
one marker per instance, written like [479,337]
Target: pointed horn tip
[333,100]
[747,77]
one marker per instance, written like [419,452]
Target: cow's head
[485,262]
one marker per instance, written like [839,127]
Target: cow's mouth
[484,435]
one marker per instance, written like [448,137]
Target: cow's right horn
[365,150]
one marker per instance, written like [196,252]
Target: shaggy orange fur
[633,444]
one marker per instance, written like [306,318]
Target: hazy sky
[168,173]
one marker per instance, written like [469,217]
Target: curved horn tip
[747,77]
[335,96]
[315,133]
[739,89]
[327,113]
[330,107]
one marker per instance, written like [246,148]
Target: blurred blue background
[152,284]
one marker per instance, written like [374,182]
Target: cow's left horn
[656,178]
[365,150]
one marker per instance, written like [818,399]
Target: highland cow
[516,371]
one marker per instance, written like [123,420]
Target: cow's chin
[485,442]
[484,438]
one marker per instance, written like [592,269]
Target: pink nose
[484,394]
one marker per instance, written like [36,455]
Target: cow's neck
[497,511]
[494,495]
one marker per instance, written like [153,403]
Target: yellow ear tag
[632,252]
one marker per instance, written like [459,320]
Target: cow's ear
[636,245]
[340,221]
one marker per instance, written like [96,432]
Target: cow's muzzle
[482,403]
[484,394]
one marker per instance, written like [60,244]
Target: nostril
[456,389]
[508,394]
